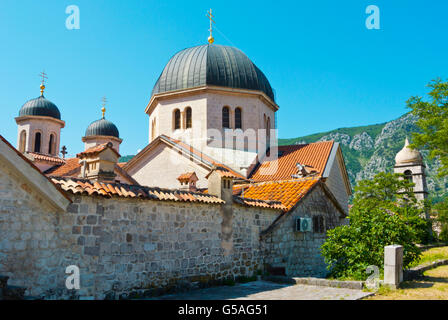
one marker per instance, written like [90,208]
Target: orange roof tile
[186,176]
[223,172]
[87,187]
[260,203]
[97,149]
[43,157]
[314,155]
[72,168]
[288,192]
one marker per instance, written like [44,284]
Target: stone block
[393,265]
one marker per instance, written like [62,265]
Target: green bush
[441,209]
[384,212]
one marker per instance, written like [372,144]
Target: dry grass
[433,255]
[434,286]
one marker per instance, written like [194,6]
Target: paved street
[263,290]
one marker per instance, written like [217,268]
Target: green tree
[433,123]
[385,211]
[441,209]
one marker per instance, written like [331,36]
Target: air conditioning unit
[304,224]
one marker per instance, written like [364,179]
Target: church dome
[102,127]
[408,155]
[215,65]
[40,107]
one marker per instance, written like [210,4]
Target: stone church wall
[299,252]
[121,245]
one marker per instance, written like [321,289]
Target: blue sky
[328,70]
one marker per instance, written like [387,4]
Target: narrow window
[51,144]
[22,141]
[37,141]
[176,119]
[225,117]
[238,119]
[408,175]
[153,129]
[188,116]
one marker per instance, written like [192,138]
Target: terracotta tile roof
[97,149]
[87,187]
[260,203]
[71,167]
[44,157]
[223,172]
[313,155]
[203,156]
[186,176]
[288,192]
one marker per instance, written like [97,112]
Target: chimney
[220,184]
[98,163]
[188,181]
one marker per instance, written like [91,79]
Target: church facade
[211,197]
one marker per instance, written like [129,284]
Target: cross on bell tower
[210,17]
[43,75]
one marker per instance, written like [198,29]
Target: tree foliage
[433,122]
[441,209]
[385,212]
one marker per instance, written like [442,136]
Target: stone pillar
[393,265]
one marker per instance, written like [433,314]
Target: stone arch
[22,141]
[188,117]
[37,142]
[226,117]
[176,119]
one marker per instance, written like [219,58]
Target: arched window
[153,129]
[268,133]
[188,118]
[37,141]
[408,175]
[176,119]
[51,143]
[238,119]
[225,117]
[22,141]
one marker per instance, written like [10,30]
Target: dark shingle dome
[40,107]
[102,127]
[212,65]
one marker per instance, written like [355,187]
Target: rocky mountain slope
[370,149]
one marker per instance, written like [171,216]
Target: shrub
[384,212]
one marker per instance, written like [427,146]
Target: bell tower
[410,163]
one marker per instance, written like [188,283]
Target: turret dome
[408,155]
[40,107]
[214,65]
[102,127]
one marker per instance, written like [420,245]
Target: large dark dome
[212,65]
[40,107]
[102,127]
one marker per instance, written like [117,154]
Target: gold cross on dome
[210,17]
[103,109]
[42,85]
[43,75]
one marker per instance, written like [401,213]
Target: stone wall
[299,252]
[121,245]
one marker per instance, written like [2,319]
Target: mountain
[370,149]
